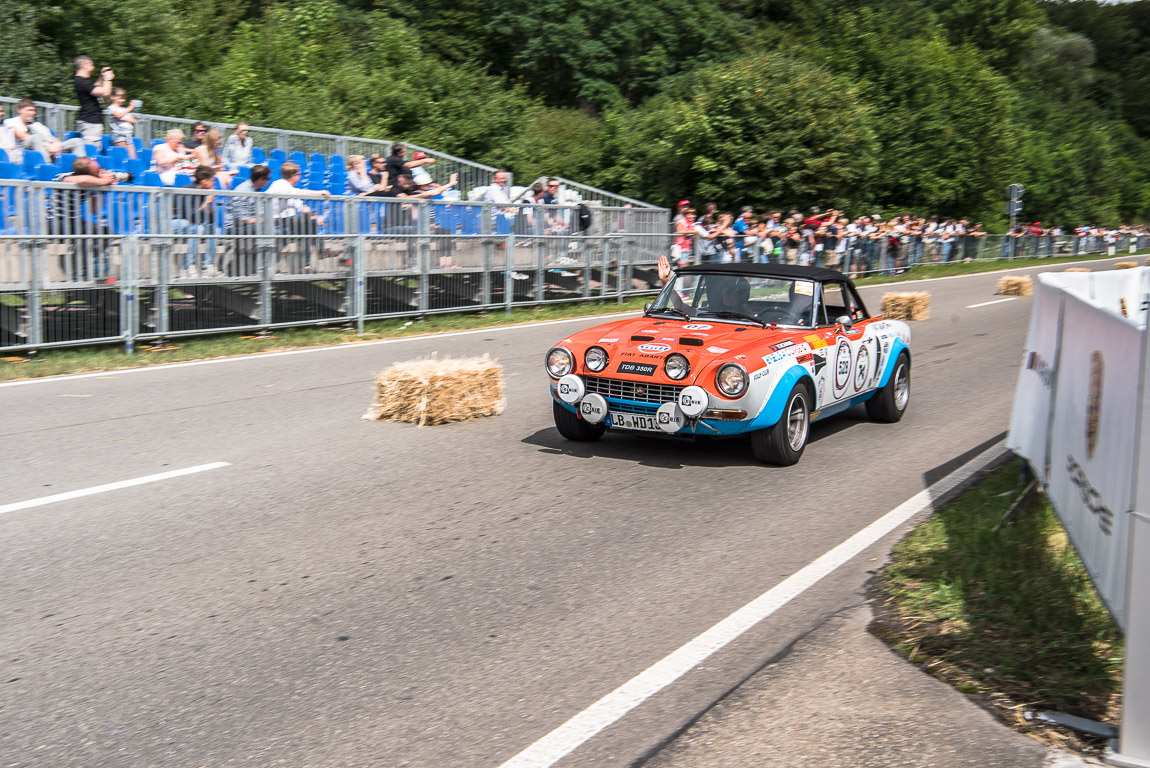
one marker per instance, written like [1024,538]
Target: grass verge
[1005,613]
[106,357]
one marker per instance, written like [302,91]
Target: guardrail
[472,175]
[129,264]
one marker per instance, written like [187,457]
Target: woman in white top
[238,150]
[208,154]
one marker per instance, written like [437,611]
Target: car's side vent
[642,338]
[689,342]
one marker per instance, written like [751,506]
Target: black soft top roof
[787,271]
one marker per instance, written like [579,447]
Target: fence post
[266,248]
[508,275]
[422,242]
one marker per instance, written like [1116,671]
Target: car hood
[701,341]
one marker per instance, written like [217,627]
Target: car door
[850,354]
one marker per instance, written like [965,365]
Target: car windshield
[738,299]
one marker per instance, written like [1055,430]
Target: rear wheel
[890,402]
[574,428]
[783,443]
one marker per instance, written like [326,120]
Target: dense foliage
[925,106]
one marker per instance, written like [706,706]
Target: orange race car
[728,349]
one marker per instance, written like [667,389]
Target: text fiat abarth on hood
[729,349]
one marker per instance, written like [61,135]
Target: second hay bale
[429,392]
[911,305]
[1078,269]
[1015,286]
[1126,265]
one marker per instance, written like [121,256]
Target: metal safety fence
[125,263]
[473,176]
[883,254]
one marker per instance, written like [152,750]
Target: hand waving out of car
[664,270]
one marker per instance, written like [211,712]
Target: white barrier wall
[1078,419]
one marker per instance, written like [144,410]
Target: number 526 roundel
[728,349]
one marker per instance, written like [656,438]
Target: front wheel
[783,443]
[574,428]
[890,402]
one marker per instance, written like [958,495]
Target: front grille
[639,391]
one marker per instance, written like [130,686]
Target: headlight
[676,366]
[559,362]
[731,380]
[595,359]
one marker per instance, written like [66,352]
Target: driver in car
[724,294]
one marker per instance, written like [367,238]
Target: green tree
[30,66]
[764,130]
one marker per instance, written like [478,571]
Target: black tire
[889,403]
[574,428]
[783,443]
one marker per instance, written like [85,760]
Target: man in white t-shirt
[293,217]
[24,131]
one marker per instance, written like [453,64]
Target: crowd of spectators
[862,244]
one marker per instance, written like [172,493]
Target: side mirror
[646,307]
[845,321]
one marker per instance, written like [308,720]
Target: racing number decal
[842,366]
[862,368]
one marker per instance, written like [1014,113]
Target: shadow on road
[677,452]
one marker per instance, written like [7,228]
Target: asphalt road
[348,593]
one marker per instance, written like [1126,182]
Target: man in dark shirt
[199,131]
[90,118]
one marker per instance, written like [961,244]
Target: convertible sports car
[728,349]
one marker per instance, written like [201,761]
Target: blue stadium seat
[502,224]
[469,219]
[299,158]
[183,180]
[156,141]
[337,163]
[278,156]
[64,161]
[3,155]
[259,157]
[119,155]
[90,150]
[73,135]
[135,167]
[10,171]
[317,157]
[32,158]
[243,174]
[145,156]
[274,167]
[315,182]
[105,144]
[150,179]
[338,187]
[46,172]
[138,143]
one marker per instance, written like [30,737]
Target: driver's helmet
[730,292]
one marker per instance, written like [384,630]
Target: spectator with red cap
[398,164]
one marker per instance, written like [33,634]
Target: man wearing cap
[680,213]
[398,164]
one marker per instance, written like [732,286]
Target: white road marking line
[988,303]
[566,738]
[110,487]
[262,355]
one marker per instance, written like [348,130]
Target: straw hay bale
[906,306]
[1078,269]
[1126,265]
[1015,286]
[434,391]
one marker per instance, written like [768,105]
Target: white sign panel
[1030,419]
[1093,441]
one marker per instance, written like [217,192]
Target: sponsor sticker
[740,357]
[804,288]
[716,350]
[804,359]
[654,347]
[782,345]
[607,341]
[667,338]
[637,369]
[760,373]
[862,368]
[697,327]
[815,340]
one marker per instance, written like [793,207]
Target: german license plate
[639,421]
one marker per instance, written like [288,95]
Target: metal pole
[1134,735]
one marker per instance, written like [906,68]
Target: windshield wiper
[736,316]
[673,310]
